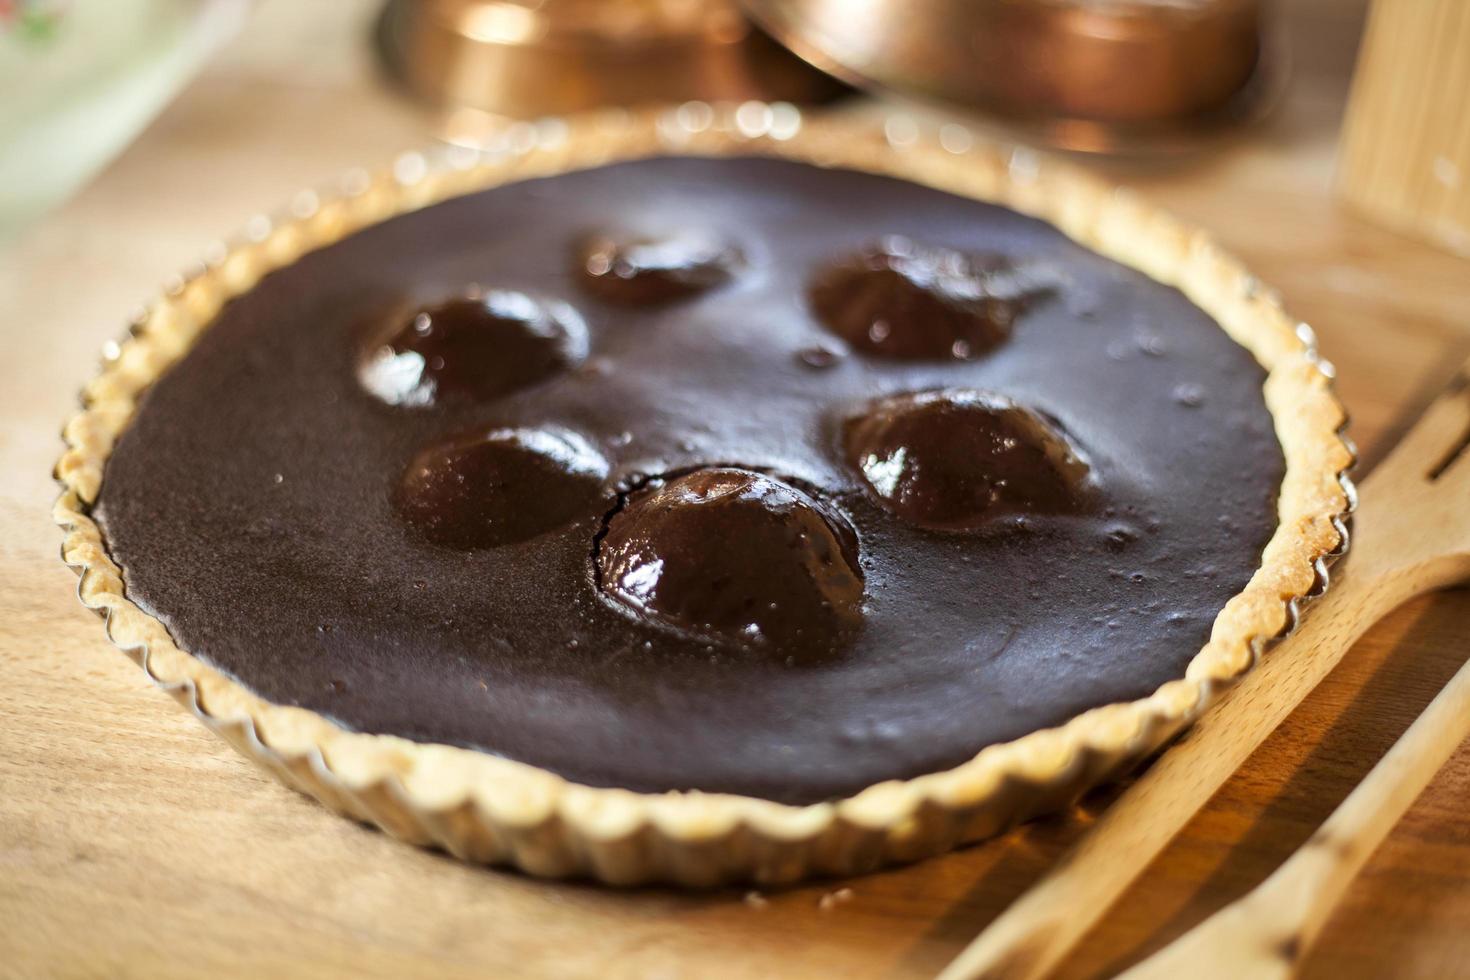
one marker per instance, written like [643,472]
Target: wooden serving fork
[1411,535]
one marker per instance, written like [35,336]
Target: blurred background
[81,80]
[1156,82]
[1326,142]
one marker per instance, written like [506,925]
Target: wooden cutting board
[132,843]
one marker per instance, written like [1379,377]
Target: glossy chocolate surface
[737,557]
[474,347]
[391,564]
[955,459]
[635,271]
[485,489]
[910,301]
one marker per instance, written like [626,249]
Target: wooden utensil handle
[1030,937]
[1266,933]
[1398,553]
[1311,882]
[1341,846]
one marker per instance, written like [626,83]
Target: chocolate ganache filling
[725,474]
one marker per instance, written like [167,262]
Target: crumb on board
[831,900]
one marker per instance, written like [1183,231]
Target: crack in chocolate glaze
[251,501]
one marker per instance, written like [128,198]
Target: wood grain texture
[1264,934]
[1411,536]
[132,843]
[1406,139]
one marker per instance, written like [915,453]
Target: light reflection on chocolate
[646,271]
[479,346]
[738,555]
[953,460]
[483,489]
[906,301]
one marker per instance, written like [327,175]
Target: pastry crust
[483,808]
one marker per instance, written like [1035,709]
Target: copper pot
[1121,67]
[532,58]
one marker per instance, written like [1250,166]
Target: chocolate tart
[577,505]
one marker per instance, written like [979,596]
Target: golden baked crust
[489,809]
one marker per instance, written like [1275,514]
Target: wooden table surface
[133,843]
